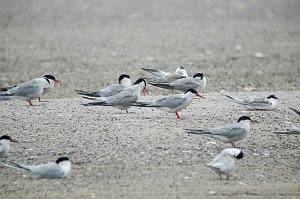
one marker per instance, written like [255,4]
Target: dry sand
[147,154]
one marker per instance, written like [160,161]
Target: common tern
[228,134]
[5,141]
[198,81]
[172,104]
[113,89]
[30,90]
[49,87]
[268,103]
[166,77]
[224,162]
[124,99]
[58,169]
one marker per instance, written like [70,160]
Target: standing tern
[124,82]
[228,134]
[166,77]
[30,90]
[124,99]
[5,141]
[224,162]
[58,169]
[172,104]
[198,81]
[269,103]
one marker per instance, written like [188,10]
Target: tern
[58,169]
[30,90]
[5,141]
[228,134]
[165,77]
[198,81]
[224,162]
[124,82]
[172,104]
[124,99]
[268,103]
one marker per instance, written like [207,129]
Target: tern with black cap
[224,162]
[58,169]
[228,134]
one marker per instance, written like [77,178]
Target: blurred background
[241,45]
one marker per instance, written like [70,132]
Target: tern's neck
[245,123]
[126,82]
[65,166]
[5,143]
[273,101]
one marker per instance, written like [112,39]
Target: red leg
[30,104]
[39,99]
[177,115]
[126,111]
[232,144]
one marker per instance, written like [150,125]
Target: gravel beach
[147,153]
[245,48]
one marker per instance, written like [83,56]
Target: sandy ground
[147,154]
[89,44]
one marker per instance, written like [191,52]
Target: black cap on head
[123,76]
[244,118]
[272,96]
[192,91]
[139,81]
[61,159]
[198,75]
[49,77]
[181,67]
[5,137]
[240,155]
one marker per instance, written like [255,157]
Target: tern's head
[51,77]
[244,118]
[198,75]
[123,76]
[6,138]
[181,71]
[194,92]
[62,159]
[140,81]
[124,79]
[65,165]
[272,97]
[233,152]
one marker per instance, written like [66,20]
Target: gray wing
[258,103]
[156,72]
[26,90]
[50,170]
[184,84]
[122,100]
[112,90]
[169,102]
[229,132]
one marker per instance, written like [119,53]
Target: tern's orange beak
[200,96]
[253,121]
[57,81]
